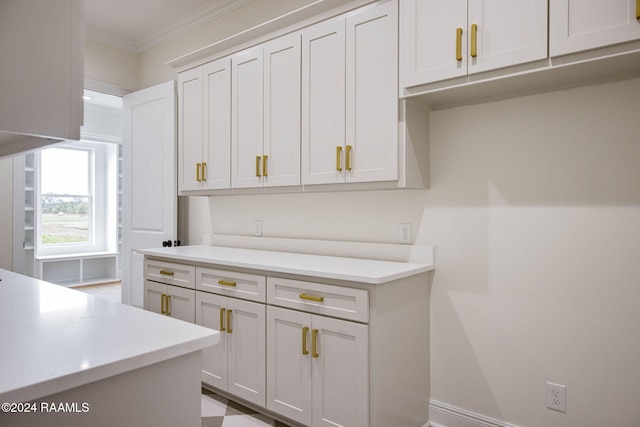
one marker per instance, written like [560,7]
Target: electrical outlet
[557,397]
[258,230]
[405,233]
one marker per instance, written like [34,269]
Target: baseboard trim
[445,415]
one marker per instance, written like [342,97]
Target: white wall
[534,209]
[108,64]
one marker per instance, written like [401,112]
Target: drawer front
[170,273]
[330,300]
[238,285]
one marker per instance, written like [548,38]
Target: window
[76,206]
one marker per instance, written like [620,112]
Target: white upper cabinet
[350,99]
[266,114]
[247,118]
[577,25]
[204,127]
[446,39]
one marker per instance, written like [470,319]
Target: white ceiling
[138,25]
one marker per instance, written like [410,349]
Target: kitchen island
[69,359]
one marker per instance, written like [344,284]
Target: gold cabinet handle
[304,340]
[474,40]
[167,273]
[203,176]
[348,163]
[264,165]
[458,44]
[311,298]
[168,310]
[222,310]
[226,283]
[258,166]
[198,171]
[229,330]
[163,301]
[314,343]
[637,9]
[339,157]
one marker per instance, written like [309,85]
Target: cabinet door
[323,102]
[429,40]
[246,118]
[340,373]
[509,32]
[372,94]
[586,24]
[153,296]
[189,128]
[211,313]
[282,111]
[246,335]
[216,150]
[181,303]
[289,363]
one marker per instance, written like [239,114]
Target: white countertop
[319,266]
[54,338]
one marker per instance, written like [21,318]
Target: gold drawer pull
[167,273]
[163,302]
[229,330]
[226,283]
[264,165]
[339,157]
[198,171]
[458,44]
[168,305]
[311,298]
[348,165]
[304,340]
[258,166]
[314,343]
[637,9]
[222,310]
[203,176]
[474,40]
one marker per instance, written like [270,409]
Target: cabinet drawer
[239,285]
[170,273]
[336,301]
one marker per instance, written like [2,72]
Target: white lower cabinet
[317,368]
[169,300]
[237,364]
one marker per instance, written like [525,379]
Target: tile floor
[217,411]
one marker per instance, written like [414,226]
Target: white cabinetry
[575,26]
[447,39]
[350,102]
[41,46]
[317,366]
[266,114]
[169,289]
[204,127]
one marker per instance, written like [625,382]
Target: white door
[508,32]
[371,151]
[246,337]
[340,373]
[190,129]
[575,26]
[211,313]
[216,150]
[289,363]
[323,102]
[282,111]
[181,303]
[433,40]
[148,181]
[247,119]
